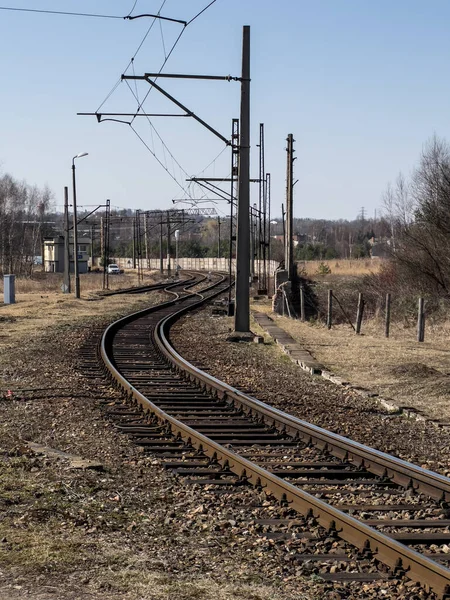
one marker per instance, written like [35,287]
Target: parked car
[113,269]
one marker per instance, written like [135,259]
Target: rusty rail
[399,557]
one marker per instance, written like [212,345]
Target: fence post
[330,308]
[302,304]
[359,314]
[387,315]
[421,322]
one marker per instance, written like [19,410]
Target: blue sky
[362,85]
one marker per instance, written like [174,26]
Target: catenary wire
[133,57]
[134,6]
[159,161]
[60,12]
[201,12]
[170,52]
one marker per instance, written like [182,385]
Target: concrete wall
[190,264]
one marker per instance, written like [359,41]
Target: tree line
[23,224]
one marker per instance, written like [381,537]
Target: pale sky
[362,85]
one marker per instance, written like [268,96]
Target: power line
[59,12]
[159,161]
[171,50]
[133,57]
[201,12]
[98,16]
[134,6]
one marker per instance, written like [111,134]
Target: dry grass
[36,312]
[362,266]
[410,373]
[89,282]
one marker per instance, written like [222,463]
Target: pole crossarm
[89,214]
[224,179]
[100,115]
[210,187]
[186,76]
[189,113]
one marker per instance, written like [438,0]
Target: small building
[54,254]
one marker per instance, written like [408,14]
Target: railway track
[395,514]
[149,288]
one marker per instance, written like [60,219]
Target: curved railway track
[393,512]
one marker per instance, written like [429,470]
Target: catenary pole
[66,243]
[242,314]
[289,258]
[75,234]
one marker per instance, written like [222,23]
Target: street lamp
[75,227]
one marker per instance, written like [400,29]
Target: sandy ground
[399,368]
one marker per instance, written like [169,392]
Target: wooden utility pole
[242,313]
[289,249]
[387,315]
[359,314]
[421,321]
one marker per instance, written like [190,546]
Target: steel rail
[399,557]
[145,288]
[402,472]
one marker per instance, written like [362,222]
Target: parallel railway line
[393,512]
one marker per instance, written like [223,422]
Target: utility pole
[269,254]
[242,313]
[161,261]
[102,248]
[66,285]
[283,219]
[105,227]
[218,245]
[146,240]
[92,244]
[138,245]
[233,194]
[168,244]
[262,273]
[75,234]
[289,248]
[134,242]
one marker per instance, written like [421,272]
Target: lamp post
[75,227]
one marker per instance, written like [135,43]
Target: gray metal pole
[218,244]
[168,244]
[146,240]
[75,234]
[92,245]
[66,243]
[161,263]
[242,314]
[289,259]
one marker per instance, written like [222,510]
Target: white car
[113,269]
